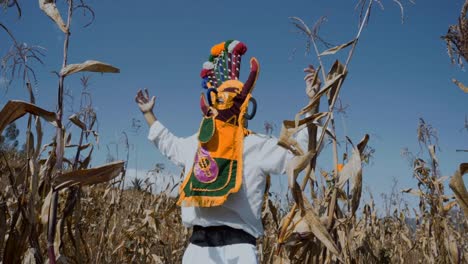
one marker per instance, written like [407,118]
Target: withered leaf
[329,84]
[3,223]
[335,49]
[350,169]
[353,170]
[460,85]
[451,244]
[76,120]
[89,66]
[412,191]
[318,229]
[45,208]
[90,176]
[363,143]
[432,150]
[458,186]
[49,7]
[338,70]
[39,135]
[157,259]
[296,165]
[301,25]
[289,128]
[29,256]
[15,243]
[16,109]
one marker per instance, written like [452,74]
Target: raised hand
[144,102]
[146,105]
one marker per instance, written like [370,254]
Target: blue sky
[399,73]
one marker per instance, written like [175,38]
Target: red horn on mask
[249,85]
[203,105]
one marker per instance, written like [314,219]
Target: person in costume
[225,163]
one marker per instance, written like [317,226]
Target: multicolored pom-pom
[208,65]
[232,45]
[204,73]
[217,49]
[240,49]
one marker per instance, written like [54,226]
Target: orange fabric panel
[223,143]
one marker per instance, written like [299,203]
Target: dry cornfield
[55,209]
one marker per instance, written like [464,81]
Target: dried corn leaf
[432,153]
[353,170]
[301,123]
[286,230]
[449,206]
[335,49]
[458,186]
[413,192]
[89,66]
[302,227]
[354,165]
[149,220]
[281,260]
[451,245]
[363,143]
[460,85]
[16,109]
[318,229]
[87,160]
[76,120]
[47,168]
[271,209]
[121,245]
[39,135]
[82,147]
[67,138]
[357,180]
[85,146]
[297,231]
[356,192]
[329,84]
[15,244]
[289,128]
[90,176]
[3,224]
[49,7]
[29,257]
[408,242]
[45,208]
[314,86]
[156,259]
[296,165]
[350,169]
[338,70]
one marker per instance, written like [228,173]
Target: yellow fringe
[201,201]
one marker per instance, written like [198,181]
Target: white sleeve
[174,148]
[272,157]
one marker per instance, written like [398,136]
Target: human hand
[144,102]
[312,83]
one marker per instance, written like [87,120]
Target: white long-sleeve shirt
[242,210]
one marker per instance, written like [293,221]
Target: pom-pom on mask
[218,165]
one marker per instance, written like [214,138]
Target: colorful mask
[218,165]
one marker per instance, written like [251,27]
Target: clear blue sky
[400,72]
